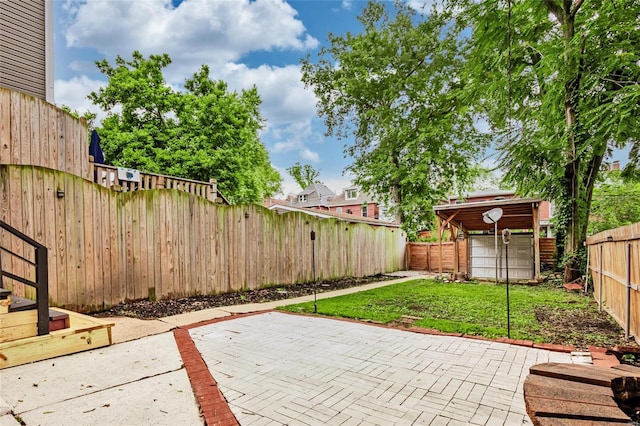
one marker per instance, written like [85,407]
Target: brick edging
[213,406]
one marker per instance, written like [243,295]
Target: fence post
[213,190]
[586,273]
[42,290]
[628,306]
[600,280]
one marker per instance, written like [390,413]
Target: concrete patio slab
[127,329]
[138,382]
[158,400]
[188,318]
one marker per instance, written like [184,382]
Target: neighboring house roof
[324,214]
[341,200]
[268,202]
[319,189]
[317,195]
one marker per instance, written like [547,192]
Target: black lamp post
[313,269]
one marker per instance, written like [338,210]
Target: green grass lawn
[476,309]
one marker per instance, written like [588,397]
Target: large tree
[559,81]
[200,133]
[394,88]
[304,174]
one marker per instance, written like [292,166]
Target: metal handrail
[41,284]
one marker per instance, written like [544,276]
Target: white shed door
[483,260]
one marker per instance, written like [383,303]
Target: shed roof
[517,214]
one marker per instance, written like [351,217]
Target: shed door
[520,257]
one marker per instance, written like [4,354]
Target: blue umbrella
[94,148]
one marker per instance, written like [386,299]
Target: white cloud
[73,93]
[195,32]
[309,155]
[284,97]
[295,137]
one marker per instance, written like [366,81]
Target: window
[349,211]
[339,209]
[351,194]
[302,198]
[364,211]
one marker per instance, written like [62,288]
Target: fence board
[5,127]
[72,243]
[15,128]
[15,215]
[612,270]
[89,270]
[27,218]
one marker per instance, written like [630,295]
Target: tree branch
[555,9]
[576,8]
[414,69]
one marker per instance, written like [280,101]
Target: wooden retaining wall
[106,246]
[614,263]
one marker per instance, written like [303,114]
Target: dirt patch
[580,328]
[145,309]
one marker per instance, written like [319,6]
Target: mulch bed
[146,309]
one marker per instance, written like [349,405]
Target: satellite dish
[492,216]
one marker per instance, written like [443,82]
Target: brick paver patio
[276,368]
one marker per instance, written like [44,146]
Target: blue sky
[244,43]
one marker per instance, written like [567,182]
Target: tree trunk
[572,171]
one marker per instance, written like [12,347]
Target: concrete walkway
[275,368]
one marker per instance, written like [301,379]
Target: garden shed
[519,215]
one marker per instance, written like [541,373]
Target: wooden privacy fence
[106,246]
[548,251]
[614,263]
[426,256]
[35,133]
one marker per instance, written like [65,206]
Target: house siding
[23,46]
[373,211]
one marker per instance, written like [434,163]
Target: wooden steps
[576,395]
[84,333]
[21,304]
[14,303]
[19,318]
